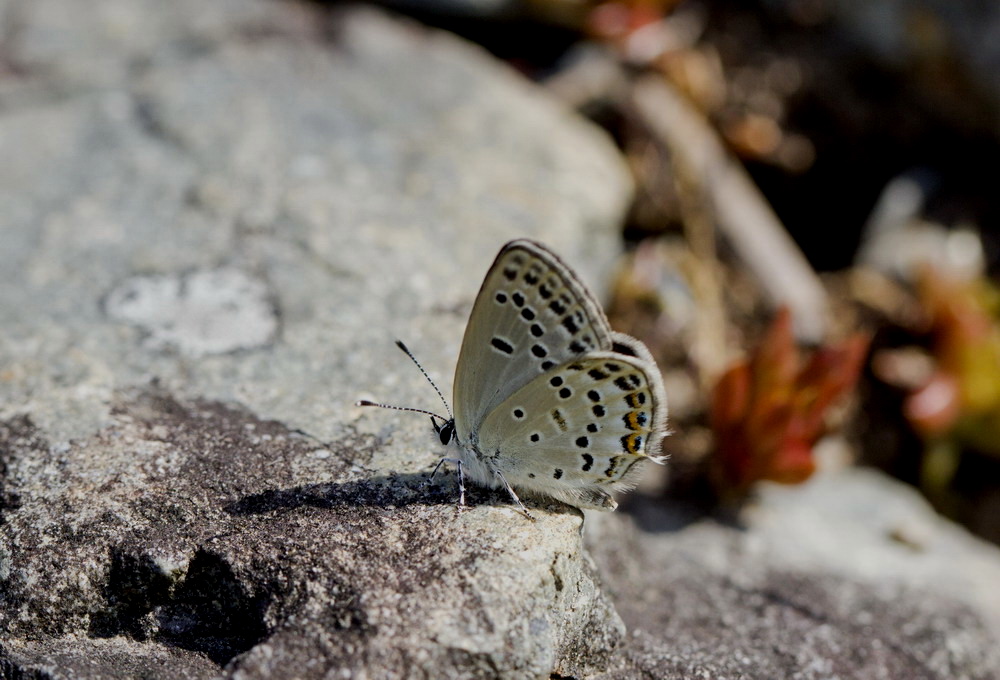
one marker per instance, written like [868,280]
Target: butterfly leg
[513,495]
[461,476]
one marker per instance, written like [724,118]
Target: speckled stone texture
[215,220]
[185,531]
[850,576]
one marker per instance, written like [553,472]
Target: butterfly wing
[531,315]
[582,429]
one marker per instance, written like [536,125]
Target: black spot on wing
[588,462]
[502,345]
[632,443]
[611,468]
[635,400]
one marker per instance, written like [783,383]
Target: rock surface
[852,575]
[217,222]
[180,500]
[186,526]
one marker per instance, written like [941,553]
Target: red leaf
[769,410]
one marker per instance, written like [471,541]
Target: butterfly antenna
[400,345]
[365,402]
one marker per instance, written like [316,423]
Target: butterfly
[548,399]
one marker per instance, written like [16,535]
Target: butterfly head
[446,431]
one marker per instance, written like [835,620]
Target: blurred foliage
[770,409]
[958,405]
[961,398]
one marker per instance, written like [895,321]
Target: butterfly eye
[446,432]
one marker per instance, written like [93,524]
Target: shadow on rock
[209,611]
[386,491]
[659,514]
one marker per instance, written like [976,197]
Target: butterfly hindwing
[531,315]
[583,428]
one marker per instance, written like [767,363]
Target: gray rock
[850,576]
[186,527]
[216,224]
[200,312]
[81,657]
[369,211]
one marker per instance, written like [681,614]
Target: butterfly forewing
[531,315]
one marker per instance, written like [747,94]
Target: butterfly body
[547,398]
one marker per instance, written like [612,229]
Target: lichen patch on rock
[200,312]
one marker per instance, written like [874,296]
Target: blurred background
[868,133]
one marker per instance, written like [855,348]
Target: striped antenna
[400,345]
[366,402]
